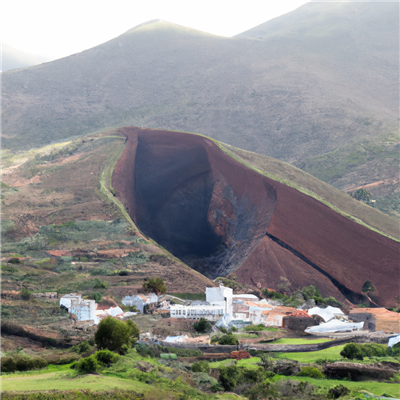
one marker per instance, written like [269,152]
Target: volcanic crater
[221,218]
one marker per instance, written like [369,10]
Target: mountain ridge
[273,97]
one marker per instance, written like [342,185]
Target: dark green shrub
[97,297]
[234,329]
[145,350]
[223,330]
[201,366]
[24,364]
[123,273]
[25,293]
[87,365]
[228,339]
[39,363]
[252,375]
[202,325]
[8,365]
[352,351]
[338,391]
[311,372]
[82,347]
[106,357]
[14,261]
[229,377]
[264,390]
[269,374]
[99,284]
[373,350]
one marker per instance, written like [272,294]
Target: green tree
[116,335]
[352,351]
[361,195]
[155,285]
[202,325]
[368,287]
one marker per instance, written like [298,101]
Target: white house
[67,298]
[84,310]
[140,301]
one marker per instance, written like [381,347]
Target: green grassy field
[247,362]
[333,353]
[62,380]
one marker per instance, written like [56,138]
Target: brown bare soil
[222,217]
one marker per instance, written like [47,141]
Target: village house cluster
[226,310]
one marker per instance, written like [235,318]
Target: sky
[58,28]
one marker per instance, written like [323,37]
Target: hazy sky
[58,28]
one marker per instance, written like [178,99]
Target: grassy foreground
[62,380]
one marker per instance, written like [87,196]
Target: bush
[373,350]
[311,372]
[8,364]
[97,297]
[22,363]
[201,366]
[155,285]
[116,335]
[269,374]
[227,339]
[147,351]
[87,365]
[14,261]
[82,347]
[202,325]
[229,377]
[352,351]
[252,375]
[106,357]
[263,390]
[99,284]
[25,294]
[338,391]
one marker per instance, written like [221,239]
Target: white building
[67,298]
[140,301]
[218,303]
[220,296]
[84,310]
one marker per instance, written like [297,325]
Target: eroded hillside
[223,217]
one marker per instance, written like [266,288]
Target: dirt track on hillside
[205,207]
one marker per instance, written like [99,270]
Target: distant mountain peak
[153,21]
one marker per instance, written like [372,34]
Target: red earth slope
[224,218]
